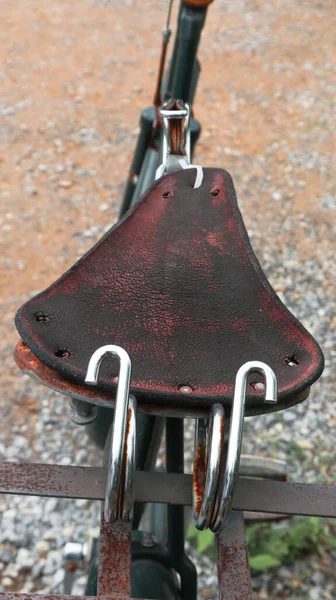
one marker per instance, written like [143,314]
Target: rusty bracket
[232,560]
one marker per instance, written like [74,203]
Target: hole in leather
[63,353]
[291,361]
[214,192]
[166,194]
[42,318]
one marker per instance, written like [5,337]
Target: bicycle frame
[180,82]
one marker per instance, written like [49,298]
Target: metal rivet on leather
[185,389]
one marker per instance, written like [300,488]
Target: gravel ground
[71,94]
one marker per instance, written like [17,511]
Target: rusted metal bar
[115,559]
[168,488]
[115,546]
[234,581]
[52,480]
[286,498]
[18,596]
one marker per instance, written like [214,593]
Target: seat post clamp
[175,116]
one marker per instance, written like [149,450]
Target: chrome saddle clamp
[175,116]
[214,483]
[119,496]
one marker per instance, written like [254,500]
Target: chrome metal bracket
[214,482]
[175,116]
[119,496]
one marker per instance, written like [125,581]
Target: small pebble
[65,183]
[12,570]
[31,190]
[42,547]
[58,577]
[6,555]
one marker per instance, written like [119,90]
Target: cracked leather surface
[175,283]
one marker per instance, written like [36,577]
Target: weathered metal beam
[232,561]
[169,488]
[37,596]
[115,559]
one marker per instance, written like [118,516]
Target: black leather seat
[175,283]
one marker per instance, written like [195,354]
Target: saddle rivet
[259,387]
[115,379]
[185,389]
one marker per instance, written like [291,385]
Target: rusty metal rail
[114,573]
[232,560]
[168,488]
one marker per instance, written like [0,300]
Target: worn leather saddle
[175,283]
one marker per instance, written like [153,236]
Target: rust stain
[199,476]
[232,561]
[124,462]
[18,596]
[31,365]
[114,571]
[71,567]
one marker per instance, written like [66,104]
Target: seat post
[176,525]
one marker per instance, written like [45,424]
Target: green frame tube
[180,82]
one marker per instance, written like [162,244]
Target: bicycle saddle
[175,283]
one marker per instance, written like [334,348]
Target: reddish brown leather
[176,283]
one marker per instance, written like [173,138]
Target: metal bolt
[74,552]
[148,540]
[82,413]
